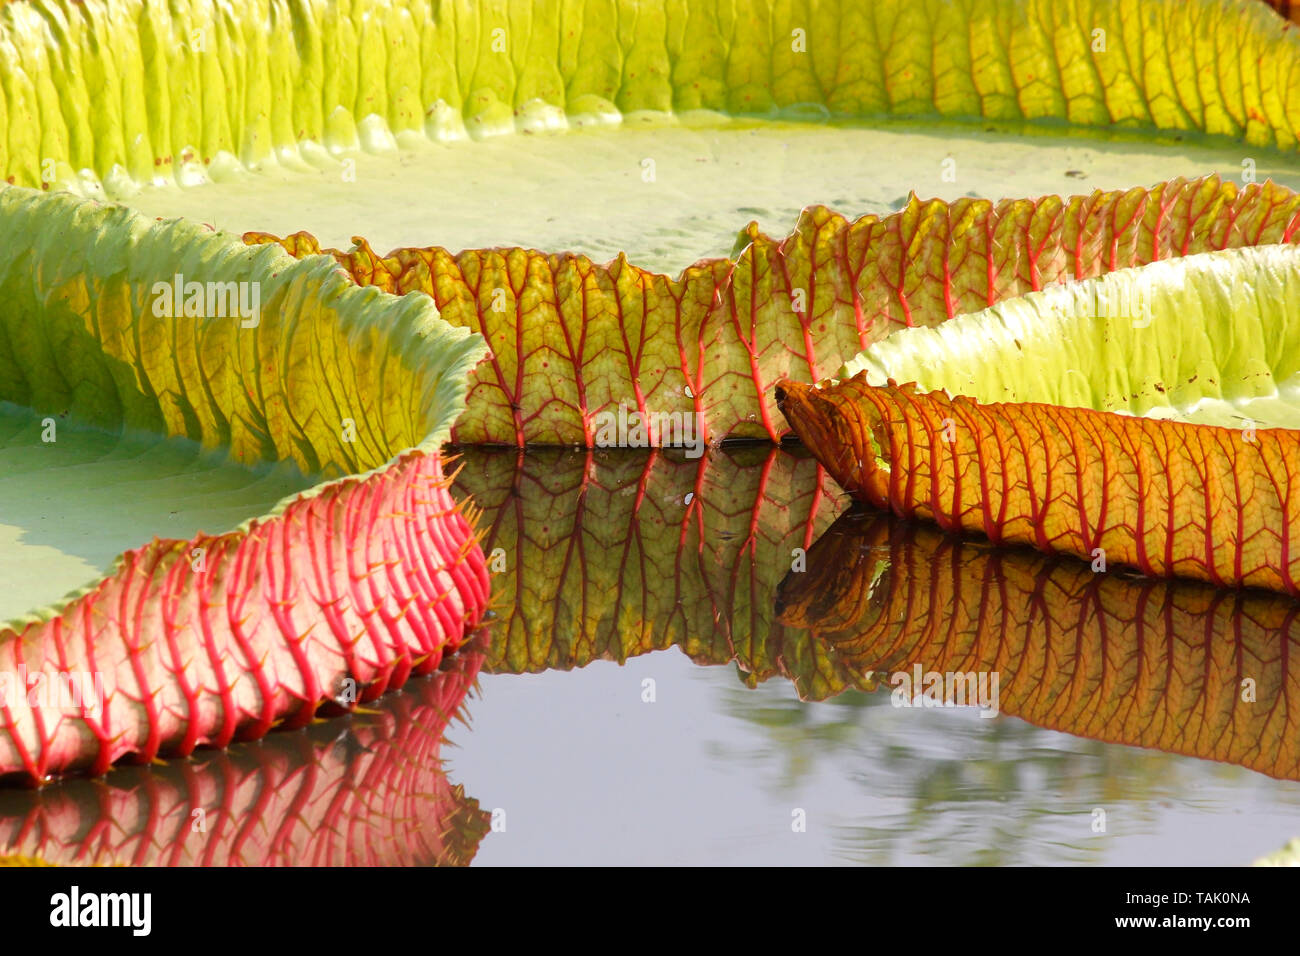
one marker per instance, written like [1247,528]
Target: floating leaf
[341,592]
[130,91]
[577,345]
[1214,338]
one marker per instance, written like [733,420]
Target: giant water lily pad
[1011,422]
[134,99]
[194,641]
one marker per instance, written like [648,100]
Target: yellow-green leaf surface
[129,325]
[573,341]
[70,506]
[133,91]
[80,344]
[1107,344]
[87,334]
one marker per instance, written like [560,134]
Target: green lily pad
[355,120]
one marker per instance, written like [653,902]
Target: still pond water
[680,670]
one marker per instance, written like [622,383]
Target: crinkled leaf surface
[114,88]
[1051,463]
[83,337]
[572,341]
[195,642]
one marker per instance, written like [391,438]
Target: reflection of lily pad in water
[371,792]
[1176,666]
[610,554]
[902,785]
[599,557]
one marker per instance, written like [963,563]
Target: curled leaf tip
[1167,498]
[1143,418]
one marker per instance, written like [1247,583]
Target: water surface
[666,681]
